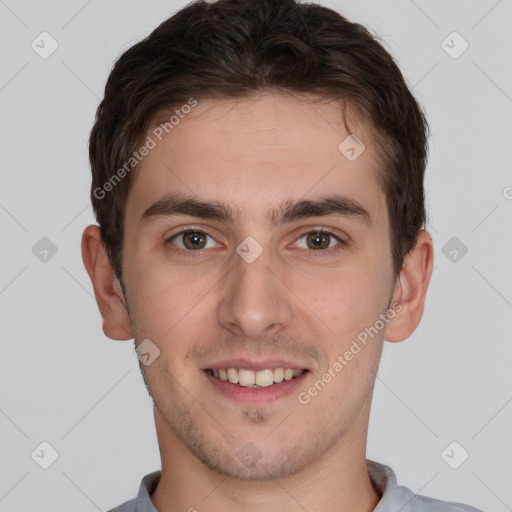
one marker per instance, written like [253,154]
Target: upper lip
[251,364]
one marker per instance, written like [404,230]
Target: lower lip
[256,395]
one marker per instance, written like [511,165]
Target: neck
[337,481]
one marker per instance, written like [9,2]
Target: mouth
[255,382]
[256,379]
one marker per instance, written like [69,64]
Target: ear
[411,289]
[107,288]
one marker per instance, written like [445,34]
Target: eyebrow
[288,211]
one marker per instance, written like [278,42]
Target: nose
[254,301]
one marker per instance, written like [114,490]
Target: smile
[254,379]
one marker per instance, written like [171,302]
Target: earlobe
[107,289]
[411,289]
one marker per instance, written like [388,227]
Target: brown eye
[318,240]
[192,240]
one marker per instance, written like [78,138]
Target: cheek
[165,299]
[351,308]
[348,303]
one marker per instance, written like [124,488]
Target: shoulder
[128,506]
[398,498]
[425,504]
[406,501]
[142,503]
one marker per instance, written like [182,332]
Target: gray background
[64,382]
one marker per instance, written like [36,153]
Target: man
[258,183]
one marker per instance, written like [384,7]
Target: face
[254,251]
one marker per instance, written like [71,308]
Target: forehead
[257,152]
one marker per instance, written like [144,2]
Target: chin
[249,465]
[258,461]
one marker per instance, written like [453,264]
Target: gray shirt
[395,498]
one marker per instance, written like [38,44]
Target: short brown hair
[236,48]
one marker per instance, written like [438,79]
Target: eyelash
[315,253]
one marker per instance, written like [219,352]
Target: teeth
[278,375]
[264,378]
[249,378]
[232,376]
[246,378]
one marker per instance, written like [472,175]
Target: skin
[293,302]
